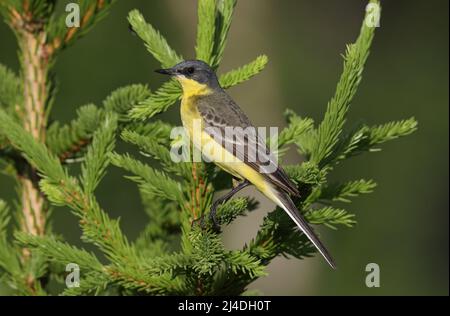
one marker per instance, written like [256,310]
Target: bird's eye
[189,70]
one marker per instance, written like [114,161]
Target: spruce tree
[172,255]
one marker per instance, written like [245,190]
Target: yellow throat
[192,88]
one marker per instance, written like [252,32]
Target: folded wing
[229,126]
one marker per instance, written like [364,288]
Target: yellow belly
[211,149]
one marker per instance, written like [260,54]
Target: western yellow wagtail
[206,109]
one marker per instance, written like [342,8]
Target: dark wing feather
[219,111]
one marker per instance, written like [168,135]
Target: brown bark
[35,64]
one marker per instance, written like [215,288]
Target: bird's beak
[169,71]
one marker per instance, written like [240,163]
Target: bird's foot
[214,223]
[213,219]
[200,222]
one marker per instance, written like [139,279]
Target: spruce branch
[158,151]
[150,180]
[389,131]
[278,236]
[153,40]
[329,130]
[138,282]
[224,14]
[40,35]
[11,93]
[330,216]
[159,131]
[244,73]
[366,139]
[59,251]
[162,227]
[91,12]
[342,192]
[96,159]
[158,102]
[297,127]
[245,263]
[207,251]
[123,99]
[35,152]
[9,261]
[91,283]
[66,141]
[228,212]
[176,263]
[306,173]
[206,30]
[70,140]
[62,189]
[4,219]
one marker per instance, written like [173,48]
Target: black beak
[169,71]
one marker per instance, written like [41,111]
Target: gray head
[196,70]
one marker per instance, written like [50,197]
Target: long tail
[286,203]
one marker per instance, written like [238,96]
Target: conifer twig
[177,252]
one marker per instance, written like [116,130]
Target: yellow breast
[193,124]
[191,91]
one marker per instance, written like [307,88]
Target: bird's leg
[226,197]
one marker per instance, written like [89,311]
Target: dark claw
[200,222]
[213,219]
[212,213]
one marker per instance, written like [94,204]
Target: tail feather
[290,208]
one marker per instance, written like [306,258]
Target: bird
[208,115]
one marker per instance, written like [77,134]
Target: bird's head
[195,76]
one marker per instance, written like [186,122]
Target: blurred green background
[403,226]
